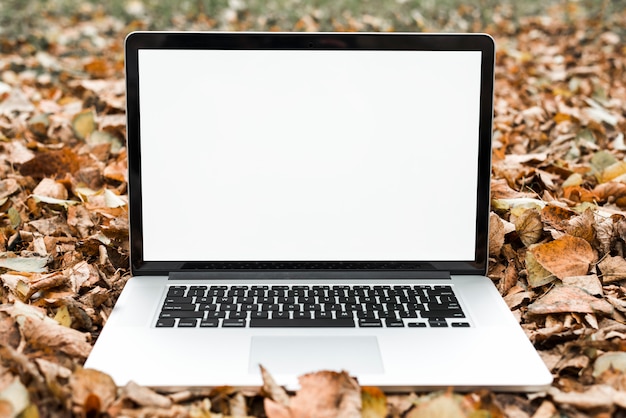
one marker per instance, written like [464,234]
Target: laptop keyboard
[311,306]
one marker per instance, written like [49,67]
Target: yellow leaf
[63,316]
[84,124]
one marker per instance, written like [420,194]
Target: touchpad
[299,355]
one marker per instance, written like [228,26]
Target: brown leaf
[45,332]
[590,284]
[323,394]
[567,299]
[92,390]
[271,389]
[529,226]
[613,269]
[582,226]
[51,163]
[144,396]
[556,216]
[597,396]
[496,235]
[50,188]
[565,256]
[8,187]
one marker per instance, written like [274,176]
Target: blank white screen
[308,155]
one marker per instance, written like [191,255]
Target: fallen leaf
[324,394]
[590,284]
[537,274]
[271,389]
[8,187]
[596,396]
[567,299]
[144,396]
[529,226]
[556,216]
[51,163]
[374,402]
[612,268]
[16,102]
[611,360]
[442,405]
[496,234]
[564,257]
[50,188]
[16,397]
[42,331]
[92,390]
[25,264]
[63,316]
[83,124]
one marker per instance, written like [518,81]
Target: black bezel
[296,41]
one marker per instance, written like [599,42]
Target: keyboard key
[187,323]
[280,315]
[165,323]
[394,323]
[176,291]
[460,325]
[438,324]
[179,307]
[209,323]
[234,323]
[417,324]
[303,323]
[181,314]
[370,323]
[178,299]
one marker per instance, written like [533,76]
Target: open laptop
[311,202]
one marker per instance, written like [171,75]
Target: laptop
[311,201]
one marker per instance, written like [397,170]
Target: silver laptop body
[273,173]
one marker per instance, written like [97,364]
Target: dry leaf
[611,360]
[323,394]
[496,234]
[537,275]
[564,257]
[144,396]
[590,284]
[597,396]
[567,299]
[42,331]
[14,398]
[374,402]
[271,389]
[92,390]
[529,226]
[582,226]
[50,188]
[556,216]
[613,269]
[83,124]
[442,405]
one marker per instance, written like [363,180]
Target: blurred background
[24,18]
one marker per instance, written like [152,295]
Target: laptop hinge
[309,275]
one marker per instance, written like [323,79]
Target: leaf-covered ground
[558,223]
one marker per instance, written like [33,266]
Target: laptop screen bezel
[305,41]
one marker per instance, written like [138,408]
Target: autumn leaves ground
[557,229]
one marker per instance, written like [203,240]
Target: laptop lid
[308,152]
